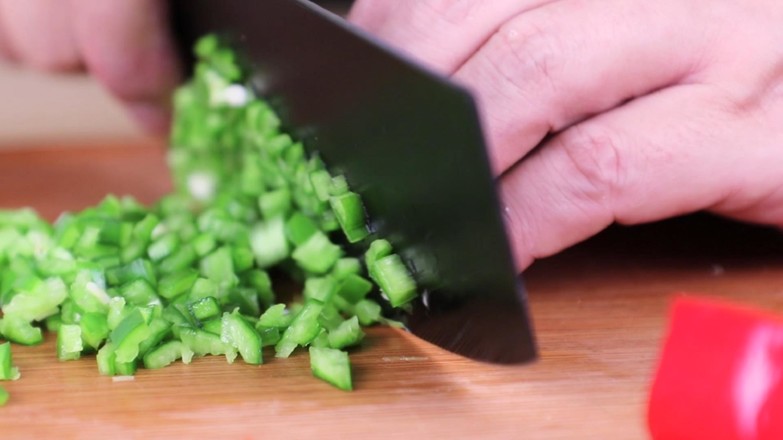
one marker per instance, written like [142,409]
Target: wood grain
[599,310]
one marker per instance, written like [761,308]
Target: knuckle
[526,56]
[594,156]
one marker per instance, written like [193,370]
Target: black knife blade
[408,141]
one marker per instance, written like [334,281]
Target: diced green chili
[37,302]
[260,281]
[275,316]
[136,269]
[320,289]
[377,250]
[139,293]
[275,203]
[214,325]
[203,244]
[202,288]
[299,228]
[331,366]
[7,369]
[163,247]
[178,283]
[268,241]
[20,331]
[305,325]
[269,336]
[317,254]
[354,288]
[346,266]
[188,275]
[330,317]
[88,291]
[159,329]
[322,340]
[347,334]
[349,210]
[131,332]
[94,329]
[69,342]
[179,260]
[219,267]
[117,312]
[105,360]
[203,343]
[205,308]
[242,336]
[394,279]
[245,299]
[368,311]
[166,354]
[338,186]
[125,368]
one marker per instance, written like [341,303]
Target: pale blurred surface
[38,108]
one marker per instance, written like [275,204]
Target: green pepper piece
[332,366]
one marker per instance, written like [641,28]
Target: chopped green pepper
[188,276]
[349,210]
[332,366]
[347,334]
[242,336]
[317,254]
[7,370]
[166,354]
[69,342]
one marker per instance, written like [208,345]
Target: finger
[5,49]
[39,34]
[439,33]
[553,66]
[670,153]
[127,46]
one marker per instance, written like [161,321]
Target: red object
[720,375]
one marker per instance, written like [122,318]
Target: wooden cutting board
[599,310]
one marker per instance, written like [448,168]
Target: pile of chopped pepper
[188,277]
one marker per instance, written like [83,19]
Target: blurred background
[37,108]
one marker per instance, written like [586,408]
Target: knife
[408,141]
